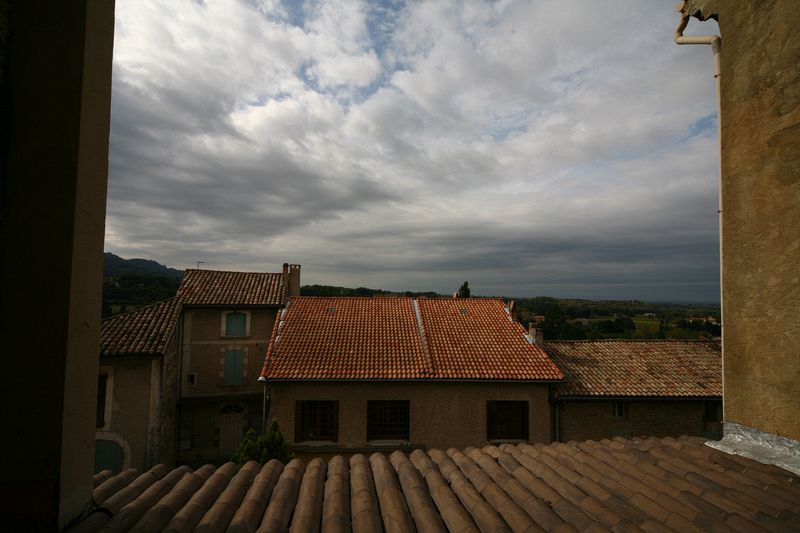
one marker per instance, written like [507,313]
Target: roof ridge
[423,338]
[576,341]
[139,309]
[231,271]
[273,340]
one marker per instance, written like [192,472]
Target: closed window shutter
[234,366]
[236,324]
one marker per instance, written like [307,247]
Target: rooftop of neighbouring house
[145,331]
[217,287]
[638,368]
[621,485]
[343,338]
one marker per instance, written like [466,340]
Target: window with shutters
[234,367]
[387,420]
[235,324]
[507,420]
[316,420]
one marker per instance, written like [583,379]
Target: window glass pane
[387,420]
[234,367]
[318,420]
[235,324]
[506,420]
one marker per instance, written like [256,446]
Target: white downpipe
[715,41]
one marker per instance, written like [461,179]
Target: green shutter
[235,324]
[234,367]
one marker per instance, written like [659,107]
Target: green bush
[262,448]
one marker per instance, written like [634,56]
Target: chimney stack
[292,275]
[536,334]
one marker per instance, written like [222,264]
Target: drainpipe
[715,42]
[264,405]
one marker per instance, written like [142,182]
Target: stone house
[226,320]
[629,388]
[353,374]
[137,388]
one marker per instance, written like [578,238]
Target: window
[712,411]
[234,367]
[236,324]
[387,420]
[316,421]
[192,379]
[619,411]
[506,420]
[102,381]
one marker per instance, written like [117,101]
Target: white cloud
[410,146]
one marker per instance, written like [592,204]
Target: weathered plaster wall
[583,420]
[204,347]
[130,407]
[442,414]
[761,210]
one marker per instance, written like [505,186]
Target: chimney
[293,287]
[536,334]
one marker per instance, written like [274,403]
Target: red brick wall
[583,420]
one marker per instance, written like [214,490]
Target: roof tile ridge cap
[139,310]
[423,338]
[175,314]
[273,340]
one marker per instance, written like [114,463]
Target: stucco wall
[583,420]
[204,346]
[442,414]
[169,402]
[130,404]
[761,210]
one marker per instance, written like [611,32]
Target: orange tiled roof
[639,368]
[402,338]
[216,287]
[145,331]
[612,485]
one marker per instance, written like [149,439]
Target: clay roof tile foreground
[638,368]
[646,484]
[216,287]
[329,338]
[145,331]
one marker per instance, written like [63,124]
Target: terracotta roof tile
[510,488]
[634,368]
[402,338]
[145,331]
[216,287]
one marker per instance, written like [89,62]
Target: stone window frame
[223,326]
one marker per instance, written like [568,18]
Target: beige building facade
[137,387]
[225,325]
[440,414]
[760,200]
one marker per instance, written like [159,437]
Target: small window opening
[619,411]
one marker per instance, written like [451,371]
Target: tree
[463,292]
[262,448]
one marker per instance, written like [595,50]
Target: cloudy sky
[558,148]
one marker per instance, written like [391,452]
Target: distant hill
[129,284]
[115,266]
